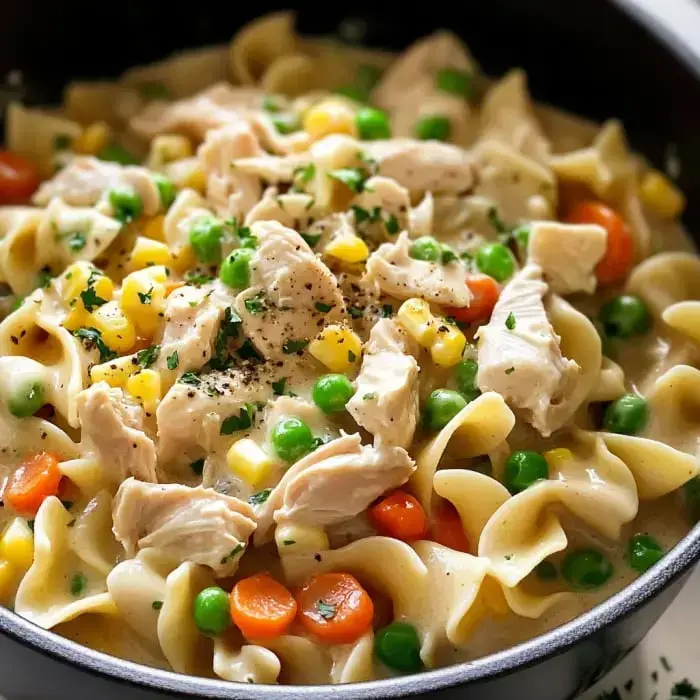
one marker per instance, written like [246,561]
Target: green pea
[372,124]
[495,260]
[235,269]
[425,248]
[433,127]
[643,551]
[457,82]
[286,123]
[398,646]
[211,611]
[586,569]
[691,495]
[441,407]
[331,392]
[627,415]
[166,190]
[205,239]
[126,203]
[292,439]
[625,316]
[465,377]
[26,399]
[523,469]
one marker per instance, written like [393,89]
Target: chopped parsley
[92,339]
[510,370]
[148,356]
[510,321]
[90,299]
[173,361]
[325,610]
[44,277]
[196,279]
[362,215]
[157,604]
[685,689]
[242,421]
[447,255]
[293,346]
[323,308]
[236,550]
[305,173]
[387,310]
[256,304]
[288,542]
[78,584]
[356,311]
[392,225]
[270,103]
[248,351]
[147,297]
[260,497]
[76,241]
[197,466]
[351,356]
[354,178]
[279,386]
[311,239]
[190,378]
[496,222]
[369,396]
[229,328]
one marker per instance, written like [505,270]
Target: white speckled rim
[675,564]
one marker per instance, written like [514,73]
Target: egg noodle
[320,365]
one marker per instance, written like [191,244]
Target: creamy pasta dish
[320,364]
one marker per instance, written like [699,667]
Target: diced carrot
[399,515]
[335,608]
[619,253]
[32,482]
[485,292]
[446,527]
[18,179]
[261,607]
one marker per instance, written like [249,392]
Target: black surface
[584,55]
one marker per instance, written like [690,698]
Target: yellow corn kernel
[558,457]
[196,179]
[300,539]
[418,320]
[118,332]
[17,545]
[249,461]
[8,579]
[166,148]
[143,298]
[337,347]
[93,139]
[661,195]
[147,252]
[449,345]
[154,228]
[330,117]
[77,278]
[350,249]
[145,386]
[115,372]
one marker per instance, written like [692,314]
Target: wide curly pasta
[320,364]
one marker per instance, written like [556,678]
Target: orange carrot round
[619,253]
[446,527]
[261,607]
[485,292]
[32,482]
[335,608]
[399,515]
[18,179]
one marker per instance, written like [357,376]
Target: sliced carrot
[619,253]
[335,608]
[261,607]
[485,292]
[32,482]
[446,527]
[18,179]
[399,515]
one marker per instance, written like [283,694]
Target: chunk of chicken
[80,184]
[507,115]
[386,397]
[399,275]
[192,318]
[519,354]
[567,254]
[231,193]
[112,431]
[333,484]
[423,165]
[288,284]
[183,523]
[294,209]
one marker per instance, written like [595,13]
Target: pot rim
[675,564]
